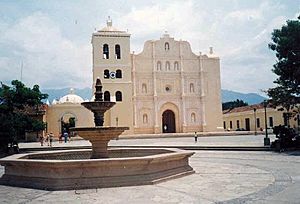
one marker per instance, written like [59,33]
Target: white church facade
[165,88]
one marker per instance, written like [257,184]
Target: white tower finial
[166,34]
[109,22]
[211,51]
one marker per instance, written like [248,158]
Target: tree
[233,104]
[286,44]
[67,125]
[16,104]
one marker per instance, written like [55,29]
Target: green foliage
[14,117]
[67,125]
[72,122]
[233,104]
[286,45]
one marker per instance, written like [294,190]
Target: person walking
[41,138]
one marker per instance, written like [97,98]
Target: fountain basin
[59,170]
[98,106]
[99,136]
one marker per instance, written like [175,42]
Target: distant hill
[86,93]
[250,98]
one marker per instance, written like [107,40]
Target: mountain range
[250,98]
[86,93]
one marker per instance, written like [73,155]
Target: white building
[165,88]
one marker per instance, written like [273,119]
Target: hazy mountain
[86,93]
[250,98]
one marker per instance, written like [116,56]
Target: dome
[71,98]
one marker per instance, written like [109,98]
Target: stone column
[182,90]
[99,148]
[202,92]
[134,90]
[155,115]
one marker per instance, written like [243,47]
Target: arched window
[106,74]
[192,89]
[145,118]
[176,66]
[144,88]
[118,96]
[119,73]
[167,66]
[193,117]
[118,51]
[158,66]
[105,51]
[167,46]
[106,96]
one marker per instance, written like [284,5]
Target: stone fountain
[99,136]
[99,168]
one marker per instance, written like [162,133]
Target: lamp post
[266,139]
[255,132]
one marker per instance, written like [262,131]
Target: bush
[286,138]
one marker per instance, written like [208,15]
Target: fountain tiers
[99,171]
[99,137]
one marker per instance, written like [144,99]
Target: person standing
[66,135]
[47,139]
[51,138]
[196,137]
[41,140]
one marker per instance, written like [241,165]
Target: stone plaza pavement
[210,141]
[221,177]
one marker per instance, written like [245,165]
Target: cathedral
[164,89]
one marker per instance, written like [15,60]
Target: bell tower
[111,63]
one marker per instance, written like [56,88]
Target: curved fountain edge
[96,173]
[99,171]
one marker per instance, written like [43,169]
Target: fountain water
[99,168]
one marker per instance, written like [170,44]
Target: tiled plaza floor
[221,177]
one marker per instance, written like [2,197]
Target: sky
[48,42]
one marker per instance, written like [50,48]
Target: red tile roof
[244,108]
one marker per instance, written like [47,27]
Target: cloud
[57,53]
[239,34]
[179,18]
[48,58]
[247,67]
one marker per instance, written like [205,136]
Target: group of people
[48,139]
[50,136]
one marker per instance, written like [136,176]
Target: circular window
[168,88]
[112,75]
